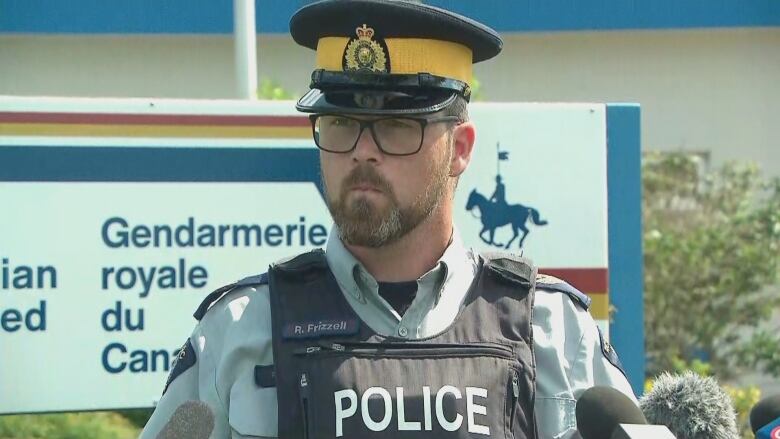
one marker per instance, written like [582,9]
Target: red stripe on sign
[587,280]
[153,119]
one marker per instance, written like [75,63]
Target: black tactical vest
[336,378]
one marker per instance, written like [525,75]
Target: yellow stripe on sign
[599,307]
[407,56]
[80,130]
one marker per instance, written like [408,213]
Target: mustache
[365,174]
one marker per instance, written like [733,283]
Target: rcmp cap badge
[365,54]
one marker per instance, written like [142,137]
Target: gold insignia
[364,54]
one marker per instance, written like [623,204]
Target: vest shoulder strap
[511,268]
[222,291]
[304,263]
[552,283]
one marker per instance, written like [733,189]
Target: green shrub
[137,417]
[269,89]
[91,425]
[744,398]
[712,263]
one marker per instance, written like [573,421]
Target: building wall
[704,90]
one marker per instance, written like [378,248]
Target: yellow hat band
[406,56]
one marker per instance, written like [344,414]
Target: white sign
[111,235]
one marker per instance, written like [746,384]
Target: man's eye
[399,123]
[340,122]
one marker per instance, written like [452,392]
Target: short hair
[459,108]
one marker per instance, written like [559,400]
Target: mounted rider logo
[495,212]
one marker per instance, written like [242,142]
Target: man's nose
[366,149]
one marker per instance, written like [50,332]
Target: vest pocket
[411,390]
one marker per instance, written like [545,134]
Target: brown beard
[362,223]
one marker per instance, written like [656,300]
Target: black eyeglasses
[393,135]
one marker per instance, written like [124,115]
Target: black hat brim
[375,102]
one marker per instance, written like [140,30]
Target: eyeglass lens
[394,135]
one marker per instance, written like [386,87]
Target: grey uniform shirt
[235,335]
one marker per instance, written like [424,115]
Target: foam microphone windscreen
[692,406]
[763,413]
[601,409]
[191,420]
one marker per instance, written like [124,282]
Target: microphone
[691,406]
[606,413]
[191,420]
[765,418]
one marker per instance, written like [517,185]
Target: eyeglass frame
[369,123]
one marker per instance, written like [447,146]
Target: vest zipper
[515,383]
[304,394]
[389,350]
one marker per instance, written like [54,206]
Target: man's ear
[463,138]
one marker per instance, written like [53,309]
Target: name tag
[321,328]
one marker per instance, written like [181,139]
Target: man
[396,330]
[499,195]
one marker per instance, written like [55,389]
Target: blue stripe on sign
[158,164]
[624,195]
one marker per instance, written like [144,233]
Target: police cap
[389,56]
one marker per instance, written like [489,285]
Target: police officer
[396,329]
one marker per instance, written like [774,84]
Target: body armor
[335,377]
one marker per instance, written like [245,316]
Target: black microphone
[692,406]
[765,418]
[606,413]
[191,420]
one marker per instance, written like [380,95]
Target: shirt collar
[356,280]
[456,259]
[343,264]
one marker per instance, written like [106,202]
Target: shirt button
[403,331]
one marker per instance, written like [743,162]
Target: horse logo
[495,212]
[493,216]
